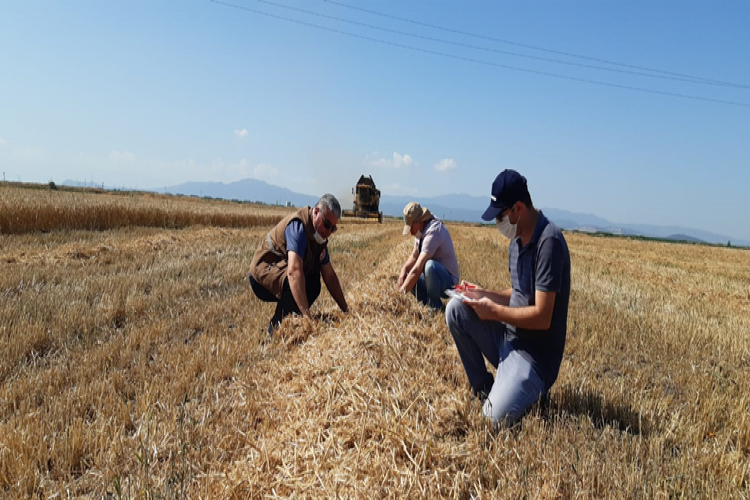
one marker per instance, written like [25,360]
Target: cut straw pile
[362,403]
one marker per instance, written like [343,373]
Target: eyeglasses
[328,224]
[499,216]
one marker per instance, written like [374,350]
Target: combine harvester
[366,200]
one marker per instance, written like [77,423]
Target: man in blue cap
[520,330]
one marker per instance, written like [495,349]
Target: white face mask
[418,235]
[319,238]
[506,228]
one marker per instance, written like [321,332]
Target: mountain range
[452,207]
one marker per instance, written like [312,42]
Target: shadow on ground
[572,402]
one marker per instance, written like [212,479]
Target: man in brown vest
[287,267]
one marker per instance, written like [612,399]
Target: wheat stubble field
[134,364]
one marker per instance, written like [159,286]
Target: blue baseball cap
[508,188]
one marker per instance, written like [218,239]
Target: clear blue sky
[149,94]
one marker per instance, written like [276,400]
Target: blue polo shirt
[296,240]
[544,265]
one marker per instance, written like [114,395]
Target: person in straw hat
[287,266]
[432,266]
[520,330]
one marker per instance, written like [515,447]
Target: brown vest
[269,265]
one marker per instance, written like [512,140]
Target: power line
[479,61]
[534,47]
[504,52]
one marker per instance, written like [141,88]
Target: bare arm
[407,266]
[415,272]
[334,287]
[501,297]
[535,317]
[296,277]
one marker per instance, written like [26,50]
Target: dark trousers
[287,305]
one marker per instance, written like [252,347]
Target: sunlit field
[134,363]
[40,209]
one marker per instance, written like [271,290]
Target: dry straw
[34,210]
[134,363]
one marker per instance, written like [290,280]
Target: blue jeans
[432,282]
[517,385]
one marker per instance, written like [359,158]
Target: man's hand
[401,278]
[465,285]
[470,290]
[484,307]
